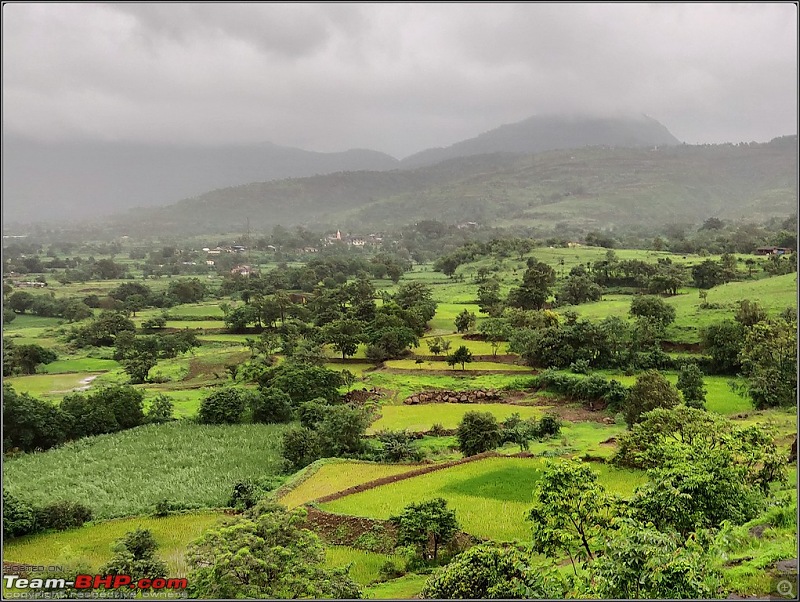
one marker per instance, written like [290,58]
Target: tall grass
[126,473]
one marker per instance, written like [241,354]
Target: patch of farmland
[126,473]
[337,475]
[364,566]
[51,386]
[420,418]
[90,546]
[490,496]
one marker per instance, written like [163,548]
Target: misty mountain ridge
[592,187]
[553,132]
[79,180]
[66,180]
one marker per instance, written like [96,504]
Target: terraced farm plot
[91,544]
[419,418]
[126,473]
[338,475]
[490,496]
[444,320]
[193,310]
[411,382]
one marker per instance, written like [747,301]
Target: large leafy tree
[723,341]
[572,512]
[223,406]
[535,288]
[266,554]
[490,571]
[135,556]
[690,384]
[427,526]
[650,391]
[641,562]
[344,335]
[769,361]
[478,432]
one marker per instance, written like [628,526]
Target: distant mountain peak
[555,131]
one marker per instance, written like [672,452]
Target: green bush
[62,515]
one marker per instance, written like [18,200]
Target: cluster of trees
[24,359]
[343,316]
[139,354]
[46,305]
[762,349]
[23,518]
[30,424]
[284,560]
[480,432]
[704,475]
[610,343]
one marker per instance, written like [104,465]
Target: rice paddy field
[330,476]
[90,546]
[126,473]
[490,496]
[364,567]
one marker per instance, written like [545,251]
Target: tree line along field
[194,466]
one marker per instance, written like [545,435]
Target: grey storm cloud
[391,77]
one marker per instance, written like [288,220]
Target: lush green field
[51,386]
[417,418]
[336,475]
[90,546]
[80,364]
[197,309]
[406,587]
[126,473]
[490,496]
[410,382]
[364,566]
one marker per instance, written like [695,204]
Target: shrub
[391,569]
[223,406]
[271,405]
[478,432]
[579,366]
[651,391]
[299,447]
[160,410]
[397,446]
[62,515]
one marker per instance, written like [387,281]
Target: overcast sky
[391,77]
